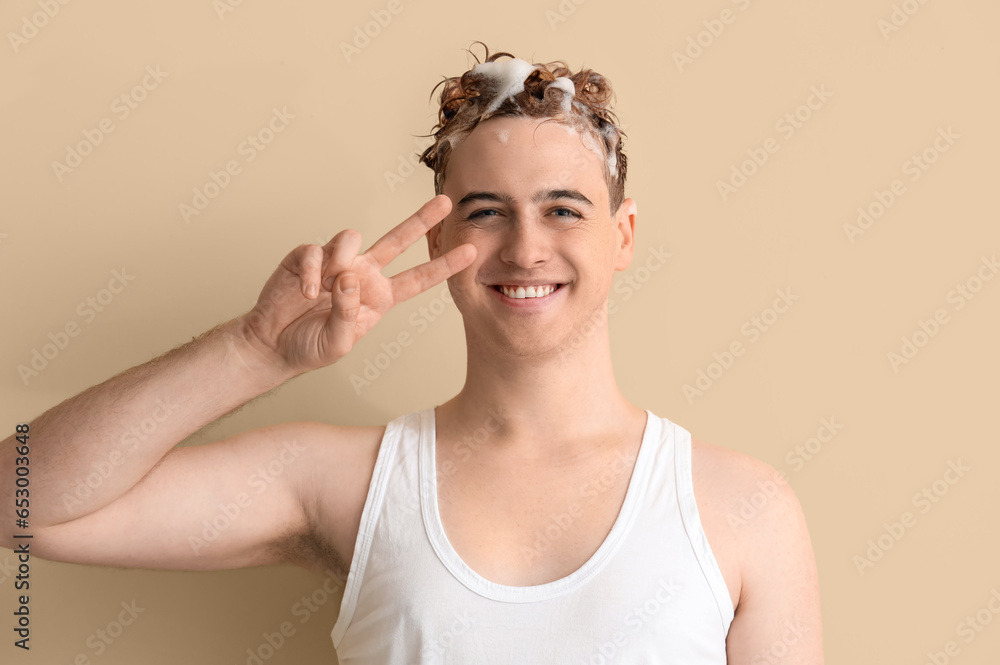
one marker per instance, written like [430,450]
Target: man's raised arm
[103,463]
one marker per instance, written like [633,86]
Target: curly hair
[580,100]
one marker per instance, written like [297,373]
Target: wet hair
[471,98]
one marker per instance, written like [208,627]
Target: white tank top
[652,593]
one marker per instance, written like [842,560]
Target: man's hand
[322,300]
[151,507]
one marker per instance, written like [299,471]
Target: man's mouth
[518,292]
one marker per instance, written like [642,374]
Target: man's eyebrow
[554,194]
[485,196]
[540,197]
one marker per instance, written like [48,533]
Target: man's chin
[514,341]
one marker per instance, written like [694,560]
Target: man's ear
[625,233]
[434,241]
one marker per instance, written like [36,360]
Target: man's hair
[488,91]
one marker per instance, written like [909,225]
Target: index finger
[393,243]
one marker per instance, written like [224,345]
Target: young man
[535,517]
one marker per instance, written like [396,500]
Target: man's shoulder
[730,472]
[745,488]
[747,510]
[756,527]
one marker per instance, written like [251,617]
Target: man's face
[532,198]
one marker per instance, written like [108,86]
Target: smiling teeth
[527,291]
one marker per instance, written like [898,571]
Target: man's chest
[527,530]
[519,527]
[524,525]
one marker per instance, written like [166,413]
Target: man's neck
[556,406]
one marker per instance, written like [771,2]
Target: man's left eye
[571,213]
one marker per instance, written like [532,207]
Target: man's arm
[92,448]
[243,501]
[778,618]
[106,486]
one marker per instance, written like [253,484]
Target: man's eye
[482,213]
[571,212]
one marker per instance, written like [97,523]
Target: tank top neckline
[450,558]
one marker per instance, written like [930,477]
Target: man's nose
[525,244]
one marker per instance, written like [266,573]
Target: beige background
[355,120]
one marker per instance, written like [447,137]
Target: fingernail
[349,284]
[311,291]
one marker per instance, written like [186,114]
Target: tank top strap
[692,523]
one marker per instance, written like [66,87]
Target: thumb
[346,303]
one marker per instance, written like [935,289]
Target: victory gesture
[322,300]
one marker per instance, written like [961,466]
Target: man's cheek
[460,284]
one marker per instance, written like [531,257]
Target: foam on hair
[581,101]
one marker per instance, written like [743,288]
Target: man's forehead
[550,155]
